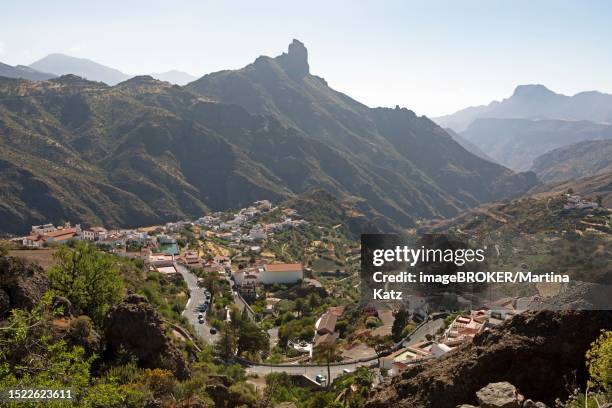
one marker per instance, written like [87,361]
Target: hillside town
[305,300]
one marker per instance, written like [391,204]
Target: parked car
[201,321]
[213,330]
[321,379]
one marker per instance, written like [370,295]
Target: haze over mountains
[536,102]
[54,65]
[145,151]
[21,71]
[515,143]
[533,122]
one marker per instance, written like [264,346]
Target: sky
[434,57]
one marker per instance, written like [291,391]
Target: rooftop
[284,267]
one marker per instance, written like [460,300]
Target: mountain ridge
[535,101]
[146,151]
[516,142]
[576,161]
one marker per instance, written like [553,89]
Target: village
[299,282]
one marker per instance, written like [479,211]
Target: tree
[226,345]
[313,301]
[599,361]
[401,319]
[251,338]
[328,353]
[3,249]
[88,278]
[599,200]
[299,306]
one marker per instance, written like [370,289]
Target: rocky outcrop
[22,284]
[295,61]
[499,395]
[539,352]
[135,326]
[502,395]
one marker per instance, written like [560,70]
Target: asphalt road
[196,297]
[309,371]
[431,327]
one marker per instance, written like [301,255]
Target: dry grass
[43,257]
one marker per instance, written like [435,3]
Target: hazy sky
[431,56]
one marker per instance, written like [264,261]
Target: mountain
[467,145]
[61,64]
[517,142]
[536,102]
[416,167]
[145,151]
[175,77]
[21,71]
[575,161]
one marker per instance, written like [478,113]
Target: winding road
[311,370]
[196,297]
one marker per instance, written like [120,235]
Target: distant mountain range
[532,122]
[517,142]
[54,65]
[21,71]
[536,102]
[575,161]
[144,151]
[61,64]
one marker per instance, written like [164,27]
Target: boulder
[22,284]
[532,404]
[135,326]
[499,395]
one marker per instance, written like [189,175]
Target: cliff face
[539,352]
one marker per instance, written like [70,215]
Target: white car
[321,379]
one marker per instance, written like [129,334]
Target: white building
[42,229]
[281,273]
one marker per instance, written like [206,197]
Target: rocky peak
[295,61]
[532,91]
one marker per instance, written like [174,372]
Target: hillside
[396,150]
[145,151]
[536,102]
[23,72]
[517,142]
[535,351]
[467,145]
[599,185]
[575,161]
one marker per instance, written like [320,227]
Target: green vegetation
[167,293]
[88,278]
[599,387]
